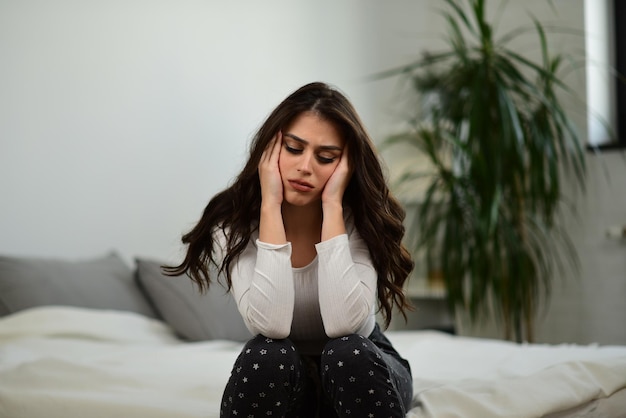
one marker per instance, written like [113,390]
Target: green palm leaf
[499,141]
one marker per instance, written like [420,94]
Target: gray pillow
[193,315]
[100,283]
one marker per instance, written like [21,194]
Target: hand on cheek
[338,181]
[269,173]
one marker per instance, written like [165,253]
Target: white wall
[119,120]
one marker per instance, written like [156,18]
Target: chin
[302,201]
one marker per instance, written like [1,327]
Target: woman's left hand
[338,181]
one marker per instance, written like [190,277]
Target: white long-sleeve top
[334,295]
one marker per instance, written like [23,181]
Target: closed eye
[293,150]
[321,159]
[325,160]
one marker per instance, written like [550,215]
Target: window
[605,44]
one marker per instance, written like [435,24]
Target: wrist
[335,207]
[270,207]
[271,228]
[333,223]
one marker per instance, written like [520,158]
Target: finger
[268,151]
[278,141]
[345,160]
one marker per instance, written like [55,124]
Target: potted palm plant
[498,142]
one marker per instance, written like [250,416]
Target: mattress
[67,362]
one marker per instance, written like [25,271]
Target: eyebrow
[304,141]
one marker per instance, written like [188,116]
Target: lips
[301,186]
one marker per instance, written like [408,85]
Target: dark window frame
[619,16]
[619,38]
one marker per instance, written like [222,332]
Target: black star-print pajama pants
[354,376]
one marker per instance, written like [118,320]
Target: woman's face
[310,153]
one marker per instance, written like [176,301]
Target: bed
[97,338]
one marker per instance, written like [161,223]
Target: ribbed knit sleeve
[347,284]
[263,288]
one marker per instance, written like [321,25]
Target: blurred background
[120,119]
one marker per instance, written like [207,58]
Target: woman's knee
[267,374]
[349,353]
[353,346]
[273,356]
[261,346]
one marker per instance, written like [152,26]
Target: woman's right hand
[269,172]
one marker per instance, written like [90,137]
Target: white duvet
[62,362]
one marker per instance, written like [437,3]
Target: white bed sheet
[63,362]
[471,377]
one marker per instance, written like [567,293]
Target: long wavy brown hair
[377,214]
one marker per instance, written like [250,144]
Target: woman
[309,240]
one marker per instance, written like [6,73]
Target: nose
[305,162]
